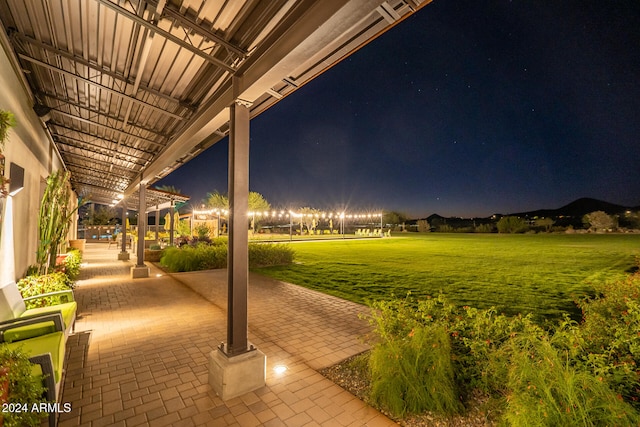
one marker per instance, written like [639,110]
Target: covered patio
[121,93]
[139,355]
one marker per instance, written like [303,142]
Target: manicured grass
[541,274]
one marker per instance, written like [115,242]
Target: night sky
[467,108]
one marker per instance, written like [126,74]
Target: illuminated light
[120,196]
[279,369]
[158,275]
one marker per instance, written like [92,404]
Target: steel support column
[157,223]
[140,270]
[124,255]
[238,259]
[171,223]
[142,224]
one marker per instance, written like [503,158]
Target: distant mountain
[578,208]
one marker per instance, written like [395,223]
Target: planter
[60,258]
[78,244]
[152,255]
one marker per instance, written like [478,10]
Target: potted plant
[19,390]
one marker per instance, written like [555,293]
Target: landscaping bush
[414,373]
[544,389]
[565,373]
[193,258]
[71,264]
[19,388]
[36,285]
[211,256]
[268,254]
[611,335]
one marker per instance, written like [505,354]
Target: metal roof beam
[92,185]
[92,123]
[153,27]
[85,178]
[105,88]
[99,174]
[99,113]
[57,136]
[102,70]
[108,128]
[93,148]
[173,12]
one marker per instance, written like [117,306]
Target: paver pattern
[141,350]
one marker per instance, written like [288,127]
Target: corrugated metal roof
[132,89]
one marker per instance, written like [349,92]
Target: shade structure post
[124,255]
[140,270]
[238,259]
[171,223]
[157,222]
[237,367]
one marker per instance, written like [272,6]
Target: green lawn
[541,273]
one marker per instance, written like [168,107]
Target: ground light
[279,369]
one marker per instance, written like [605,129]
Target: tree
[104,215]
[545,223]
[423,226]
[599,221]
[257,203]
[394,219]
[309,218]
[216,200]
[512,224]
[168,189]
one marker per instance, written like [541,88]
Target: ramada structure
[122,92]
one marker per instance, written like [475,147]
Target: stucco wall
[30,147]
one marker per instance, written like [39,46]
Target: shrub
[268,254]
[24,389]
[36,285]
[512,224]
[71,264]
[567,373]
[546,390]
[193,258]
[413,374]
[610,335]
[205,256]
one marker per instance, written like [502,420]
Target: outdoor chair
[12,306]
[118,241]
[46,351]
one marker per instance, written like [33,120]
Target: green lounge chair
[47,351]
[12,306]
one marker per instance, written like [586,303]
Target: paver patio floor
[140,352]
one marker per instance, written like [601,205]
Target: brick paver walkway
[140,352]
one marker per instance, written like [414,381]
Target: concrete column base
[140,272]
[123,256]
[234,376]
